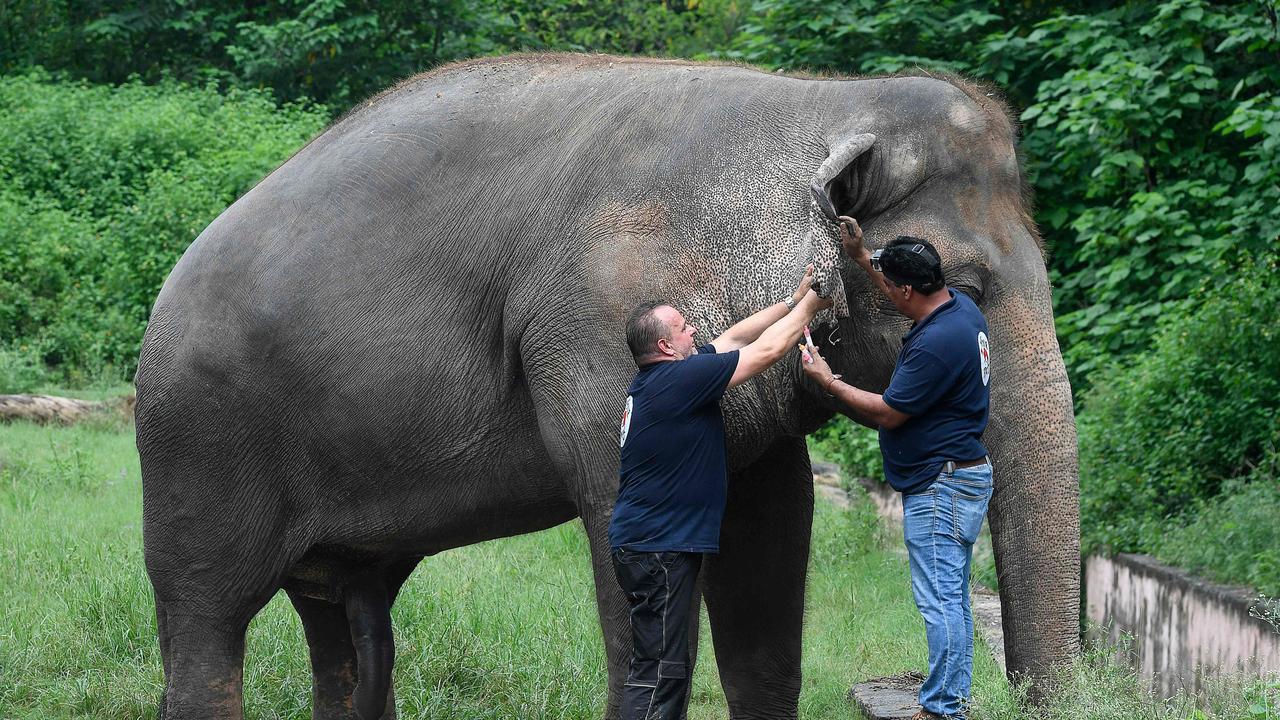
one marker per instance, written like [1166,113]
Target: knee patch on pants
[672,670]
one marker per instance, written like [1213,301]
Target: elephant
[408,338]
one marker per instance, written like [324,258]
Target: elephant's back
[441,214]
[472,180]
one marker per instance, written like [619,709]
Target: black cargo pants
[659,586]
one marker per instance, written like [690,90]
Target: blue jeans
[940,526]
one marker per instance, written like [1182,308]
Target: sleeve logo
[984,355]
[626,422]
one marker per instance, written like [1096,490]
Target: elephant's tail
[369,615]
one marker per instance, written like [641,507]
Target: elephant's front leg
[754,587]
[578,422]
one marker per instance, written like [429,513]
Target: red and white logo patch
[626,422]
[984,355]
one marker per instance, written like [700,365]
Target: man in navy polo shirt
[931,419]
[673,480]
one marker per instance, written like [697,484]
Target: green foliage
[335,51]
[101,189]
[21,370]
[1168,430]
[856,449]
[864,36]
[1233,537]
[1138,151]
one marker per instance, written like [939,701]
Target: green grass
[505,629]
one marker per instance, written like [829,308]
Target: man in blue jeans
[673,480]
[931,419]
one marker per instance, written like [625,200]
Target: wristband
[790,302]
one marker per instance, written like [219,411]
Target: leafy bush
[855,448]
[102,190]
[1161,434]
[1233,537]
[20,370]
[1152,149]
[335,51]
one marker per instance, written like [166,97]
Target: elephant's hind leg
[755,587]
[204,662]
[351,647]
[212,571]
[205,597]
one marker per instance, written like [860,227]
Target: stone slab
[888,698]
[826,484]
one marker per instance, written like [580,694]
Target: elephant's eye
[969,280]
[973,292]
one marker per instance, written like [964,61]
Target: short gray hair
[645,329]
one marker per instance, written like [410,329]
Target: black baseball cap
[908,260]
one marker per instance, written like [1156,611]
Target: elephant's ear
[824,244]
[839,160]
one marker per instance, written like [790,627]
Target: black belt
[951,466]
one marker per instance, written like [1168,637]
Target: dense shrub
[335,51]
[854,447]
[1166,432]
[20,371]
[1233,537]
[102,188]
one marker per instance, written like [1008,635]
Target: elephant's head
[937,160]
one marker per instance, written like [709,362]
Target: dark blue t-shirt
[672,478]
[941,381]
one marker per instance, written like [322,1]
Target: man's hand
[851,237]
[861,406]
[818,370]
[805,283]
[774,343]
[815,301]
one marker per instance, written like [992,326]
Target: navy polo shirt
[941,381]
[673,474]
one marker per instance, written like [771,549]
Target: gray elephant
[409,338]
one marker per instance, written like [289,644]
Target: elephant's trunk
[1035,511]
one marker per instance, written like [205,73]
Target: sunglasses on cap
[875,256]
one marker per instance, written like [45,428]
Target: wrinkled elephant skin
[409,338]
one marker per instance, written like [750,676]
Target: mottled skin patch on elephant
[625,241]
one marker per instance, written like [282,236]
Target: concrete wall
[1184,629]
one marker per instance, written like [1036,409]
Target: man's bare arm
[774,342]
[864,408]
